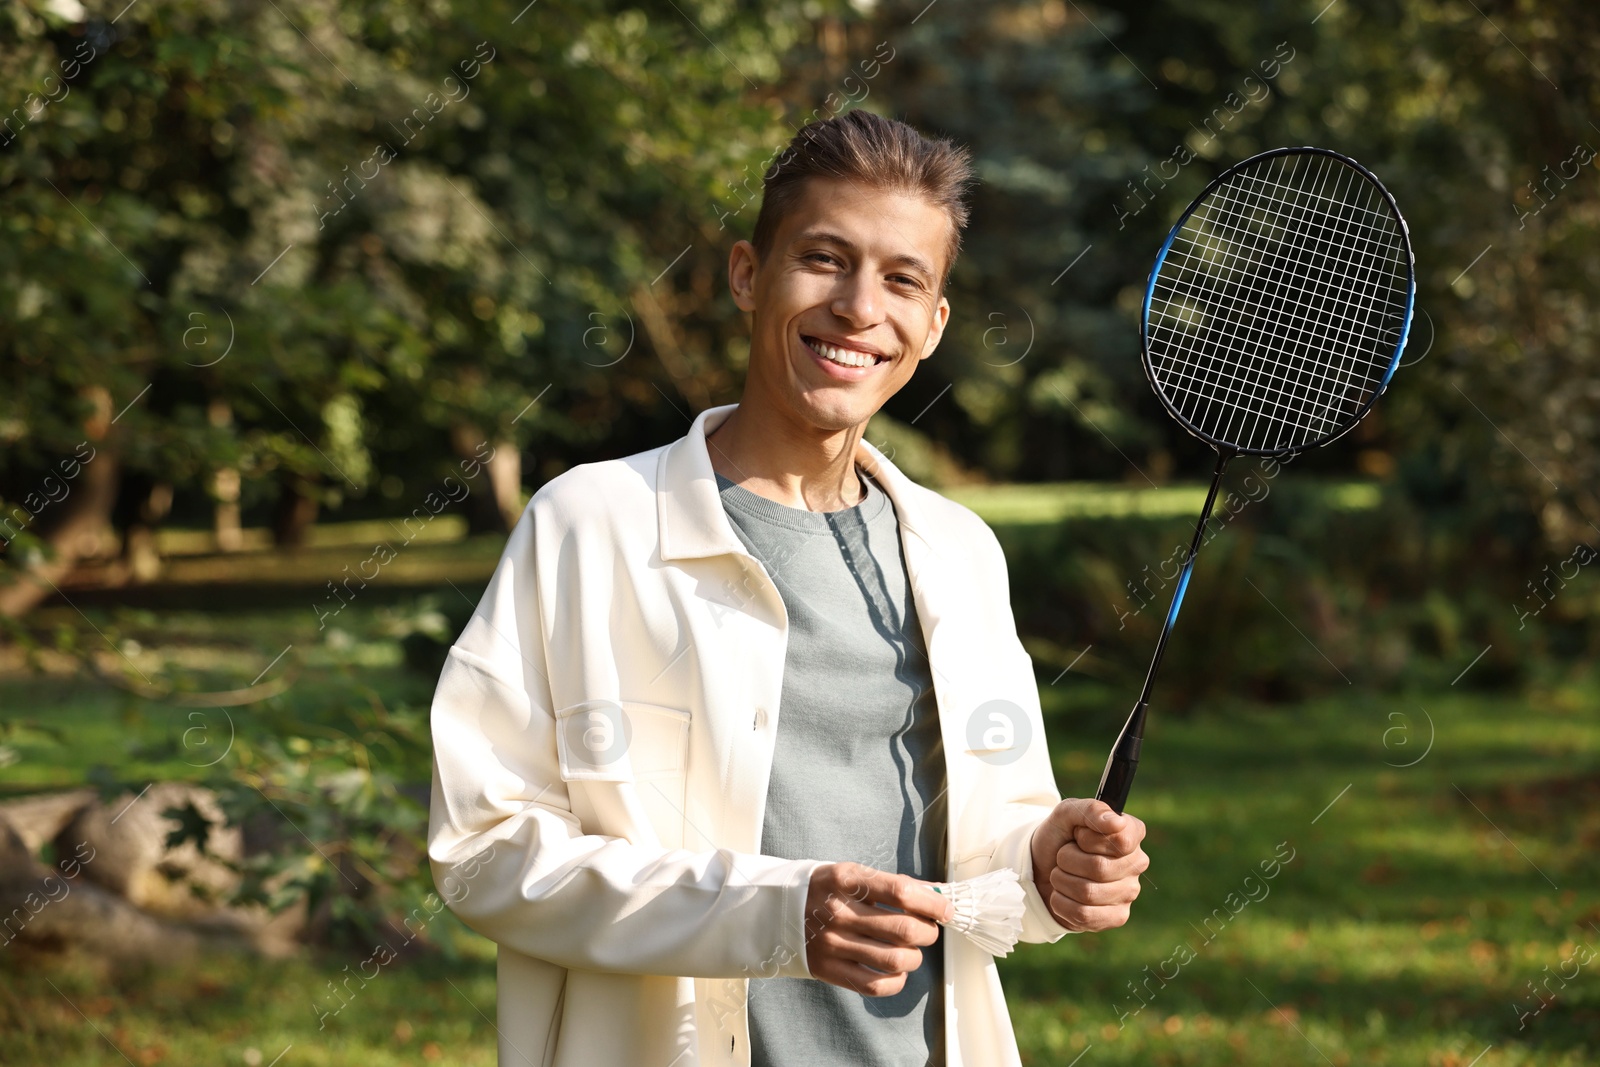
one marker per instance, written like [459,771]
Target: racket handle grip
[1117,779]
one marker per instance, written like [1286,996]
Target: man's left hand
[1087,862]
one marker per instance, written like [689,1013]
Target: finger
[1121,843]
[840,944]
[862,883]
[888,927]
[863,980]
[854,881]
[838,886]
[1096,894]
[1095,814]
[1100,868]
[1087,917]
[838,901]
[908,895]
[911,895]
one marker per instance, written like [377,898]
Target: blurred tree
[299,256]
[1095,124]
[1085,155]
[301,250]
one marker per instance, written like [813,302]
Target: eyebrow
[904,259]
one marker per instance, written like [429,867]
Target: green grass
[1045,503]
[69,1010]
[62,725]
[1419,903]
[1403,931]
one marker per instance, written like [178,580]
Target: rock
[132,858]
[118,888]
[42,906]
[40,818]
[16,858]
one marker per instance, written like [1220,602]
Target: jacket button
[760,720]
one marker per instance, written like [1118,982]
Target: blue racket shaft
[1117,779]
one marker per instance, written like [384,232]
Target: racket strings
[1342,324]
[1359,259]
[1348,329]
[1196,380]
[1248,326]
[1275,313]
[1293,389]
[1270,258]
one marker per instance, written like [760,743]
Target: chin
[834,412]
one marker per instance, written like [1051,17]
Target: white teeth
[845,356]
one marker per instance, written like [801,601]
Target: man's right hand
[853,942]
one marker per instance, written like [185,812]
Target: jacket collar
[689,506]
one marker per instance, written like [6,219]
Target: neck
[797,465]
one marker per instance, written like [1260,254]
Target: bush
[334,815]
[1309,585]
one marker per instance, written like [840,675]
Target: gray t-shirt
[858,768]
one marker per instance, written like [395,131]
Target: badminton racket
[1274,317]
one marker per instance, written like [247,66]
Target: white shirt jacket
[603,733]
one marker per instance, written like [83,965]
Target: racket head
[1280,303]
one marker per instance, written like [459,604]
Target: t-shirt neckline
[757,506]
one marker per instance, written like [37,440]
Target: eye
[820,256]
[905,280]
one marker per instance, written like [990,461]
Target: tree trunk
[225,488]
[226,526]
[151,503]
[495,502]
[658,327]
[294,513]
[505,475]
[74,526]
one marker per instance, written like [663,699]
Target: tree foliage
[1096,125]
[331,248]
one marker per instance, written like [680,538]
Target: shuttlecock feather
[988,909]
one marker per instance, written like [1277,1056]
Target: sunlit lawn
[1416,909]
[1419,904]
[73,1010]
[1026,504]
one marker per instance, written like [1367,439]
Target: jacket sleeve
[1031,792]
[512,860]
[1015,850]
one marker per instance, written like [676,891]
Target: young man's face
[851,268]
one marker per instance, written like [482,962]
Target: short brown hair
[880,153]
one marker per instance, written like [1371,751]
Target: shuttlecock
[988,909]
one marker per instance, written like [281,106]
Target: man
[729,705]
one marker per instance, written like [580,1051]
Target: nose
[856,299]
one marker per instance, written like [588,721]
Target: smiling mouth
[844,357]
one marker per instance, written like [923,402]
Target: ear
[941,318]
[743,264]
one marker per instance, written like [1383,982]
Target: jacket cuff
[790,953]
[1015,850]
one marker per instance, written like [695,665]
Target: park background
[300,301]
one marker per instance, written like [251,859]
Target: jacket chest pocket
[628,741]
